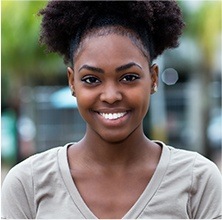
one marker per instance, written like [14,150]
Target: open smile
[113,116]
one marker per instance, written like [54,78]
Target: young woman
[115,171]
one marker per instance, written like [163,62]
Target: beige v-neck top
[184,185]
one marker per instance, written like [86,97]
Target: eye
[130,77]
[90,80]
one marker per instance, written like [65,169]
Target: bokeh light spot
[170,76]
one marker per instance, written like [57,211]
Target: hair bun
[62,20]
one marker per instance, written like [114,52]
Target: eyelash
[92,80]
[133,77]
[88,78]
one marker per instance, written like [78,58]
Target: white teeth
[113,116]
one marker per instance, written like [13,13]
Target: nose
[110,94]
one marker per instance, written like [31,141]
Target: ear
[154,77]
[70,75]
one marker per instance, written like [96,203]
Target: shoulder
[193,167]
[36,161]
[26,169]
[204,179]
[26,172]
[18,188]
[180,161]
[198,162]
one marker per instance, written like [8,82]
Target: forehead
[95,34]
[109,50]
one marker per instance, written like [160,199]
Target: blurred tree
[24,62]
[23,59]
[204,27]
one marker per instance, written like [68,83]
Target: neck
[125,152]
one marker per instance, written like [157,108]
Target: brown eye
[130,77]
[90,80]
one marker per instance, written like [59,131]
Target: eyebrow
[127,66]
[91,68]
[118,69]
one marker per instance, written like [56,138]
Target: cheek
[143,99]
[139,101]
[142,91]
[85,99]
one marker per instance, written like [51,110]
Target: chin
[112,138]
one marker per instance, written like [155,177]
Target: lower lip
[114,122]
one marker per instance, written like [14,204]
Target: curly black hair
[157,23]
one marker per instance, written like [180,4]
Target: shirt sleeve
[17,199]
[206,190]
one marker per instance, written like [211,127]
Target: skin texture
[111,75]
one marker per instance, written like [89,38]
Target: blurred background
[38,111]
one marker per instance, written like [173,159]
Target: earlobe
[70,75]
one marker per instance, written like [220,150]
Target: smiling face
[112,81]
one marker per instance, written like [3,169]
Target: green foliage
[204,26]
[22,56]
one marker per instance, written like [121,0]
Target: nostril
[111,96]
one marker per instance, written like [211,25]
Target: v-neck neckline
[135,211]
